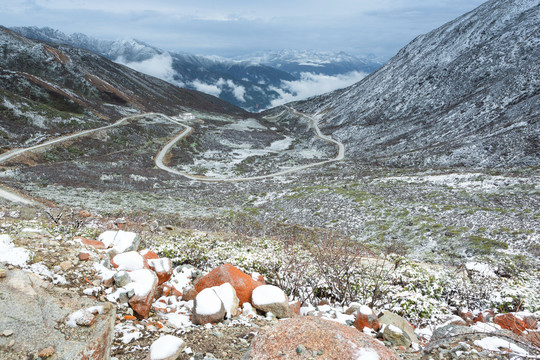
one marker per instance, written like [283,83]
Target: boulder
[529,320]
[396,336]
[270,298]
[36,308]
[228,297]
[162,267]
[390,318]
[511,322]
[365,317]
[167,347]
[208,308]
[242,283]
[144,284]
[189,293]
[120,240]
[309,335]
[129,261]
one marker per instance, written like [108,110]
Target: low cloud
[206,88]
[314,84]
[159,66]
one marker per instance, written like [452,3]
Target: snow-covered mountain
[317,62]
[467,93]
[253,83]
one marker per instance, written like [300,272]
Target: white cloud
[206,88]
[314,84]
[159,66]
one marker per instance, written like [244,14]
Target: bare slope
[467,93]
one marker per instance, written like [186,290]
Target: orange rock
[84,256]
[467,316]
[96,244]
[47,352]
[162,267]
[84,213]
[130,317]
[294,308]
[148,254]
[510,322]
[332,339]
[241,282]
[141,303]
[366,317]
[484,316]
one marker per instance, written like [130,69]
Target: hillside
[467,93]
[54,89]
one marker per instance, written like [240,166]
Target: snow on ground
[483,269]
[476,181]
[9,253]
[243,125]
[129,261]
[497,344]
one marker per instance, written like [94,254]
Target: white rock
[227,294]
[120,240]
[167,347]
[129,261]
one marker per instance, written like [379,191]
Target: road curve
[188,130]
[163,152]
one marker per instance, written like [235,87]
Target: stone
[47,352]
[84,256]
[189,293]
[390,318]
[65,265]
[84,213]
[396,336]
[7,333]
[162,267]
[270,298]
[366,317]
[148,254]
[96,244]
[294,308]
[227,295]
[353,307]
[144,283]
[129,261]
[121,278]
[529,320]
[36,308]
[466,315]
[120,240]
[314,334]
[510,322]
[3,273]
[208,308]
[243,284]
[456,320]
[485,316]
[167,347]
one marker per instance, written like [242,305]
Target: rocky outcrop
[242,283]
[309,337]
[37,318]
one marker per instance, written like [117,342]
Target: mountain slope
[467,93]
[55,89]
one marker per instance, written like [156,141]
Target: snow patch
[165,347]
[268,294]
[9,253]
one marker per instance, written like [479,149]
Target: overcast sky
[234,27]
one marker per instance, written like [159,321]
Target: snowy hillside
[467,93]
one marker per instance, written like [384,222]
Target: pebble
[300,349]
[47,352]
[11,343]
[65,265]
[7,333]
[3,273]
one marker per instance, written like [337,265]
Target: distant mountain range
[253,82]
[465,94]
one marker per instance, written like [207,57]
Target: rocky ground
[64,250]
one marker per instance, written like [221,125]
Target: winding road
[168,146]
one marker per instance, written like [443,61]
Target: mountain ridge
[466,94]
